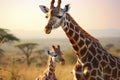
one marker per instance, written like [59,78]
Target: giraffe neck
[51,66]
[81,41]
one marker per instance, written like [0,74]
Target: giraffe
[93,61]
[55,55]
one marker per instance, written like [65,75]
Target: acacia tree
[27,49]
[5,36]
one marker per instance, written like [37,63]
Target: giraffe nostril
[62,60]
[47,27]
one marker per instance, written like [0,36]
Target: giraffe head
[56,54]
[55,15]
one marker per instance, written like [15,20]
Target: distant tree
[6,37]
[109,46]
[27,49]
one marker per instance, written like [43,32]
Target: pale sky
[25,19]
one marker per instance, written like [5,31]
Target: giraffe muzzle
[62,62]
[47,31]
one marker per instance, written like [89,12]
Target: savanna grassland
[13,63]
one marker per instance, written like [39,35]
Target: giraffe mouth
[47,31]
[62,63]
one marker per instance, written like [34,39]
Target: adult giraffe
[94,63]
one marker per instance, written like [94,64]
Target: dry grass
[25,73]
[62,72]
[12,70]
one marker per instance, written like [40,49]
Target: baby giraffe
[55,55]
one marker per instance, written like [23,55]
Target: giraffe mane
[82,30]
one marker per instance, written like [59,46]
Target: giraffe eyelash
[55,55]
[59,16]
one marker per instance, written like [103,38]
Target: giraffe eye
[55,55]
[59,16]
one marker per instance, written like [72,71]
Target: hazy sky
[25,15]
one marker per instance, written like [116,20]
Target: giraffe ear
[47,52]
[67,8]
[44,8]
[52,54]
[53,46]
[58,46]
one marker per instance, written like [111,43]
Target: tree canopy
[5,36]
[26,47]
